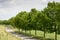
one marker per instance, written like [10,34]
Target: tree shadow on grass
[41,38]
[35,37]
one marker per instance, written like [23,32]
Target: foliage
[47,20]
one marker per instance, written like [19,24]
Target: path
[23,37]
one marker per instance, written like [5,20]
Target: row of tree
[47,20]
[6,22]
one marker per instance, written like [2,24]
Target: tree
[52,11]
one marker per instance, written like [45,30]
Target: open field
[6,36]
[41,34]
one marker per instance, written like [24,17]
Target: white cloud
[9,8]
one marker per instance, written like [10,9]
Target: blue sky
[9,8]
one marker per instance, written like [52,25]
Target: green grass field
[41,34]
[6,36]
[48,35]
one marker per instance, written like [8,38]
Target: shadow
[41,38]
[33,37]
[28,36]
[25,36]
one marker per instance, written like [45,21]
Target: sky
[10,8]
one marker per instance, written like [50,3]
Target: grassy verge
[40,34]
[6,36]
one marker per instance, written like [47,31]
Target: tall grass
[6,36]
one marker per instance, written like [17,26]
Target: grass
[6,36]
[40,34]
[48,35]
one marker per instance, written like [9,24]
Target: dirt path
[23,37]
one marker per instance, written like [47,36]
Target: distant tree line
[4,22]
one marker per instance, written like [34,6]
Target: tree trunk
[55,33]
[19,30]
[22,30]
[35,32]
[30,31]
[25,30]
[44,33]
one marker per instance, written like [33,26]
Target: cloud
[6,3]
[12,3]
[9,8]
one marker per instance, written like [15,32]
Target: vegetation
[4,22]
[6,36]
[46,20]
